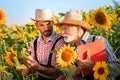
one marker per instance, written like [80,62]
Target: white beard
[68,38]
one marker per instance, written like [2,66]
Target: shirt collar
[85,37]
[50,39]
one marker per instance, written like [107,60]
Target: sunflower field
[15,39]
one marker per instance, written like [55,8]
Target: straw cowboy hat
[74,18]
[43,15]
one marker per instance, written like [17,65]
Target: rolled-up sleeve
[32,50]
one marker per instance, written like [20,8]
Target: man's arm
[34,66]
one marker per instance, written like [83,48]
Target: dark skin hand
[35,66]
[86,63]
[83,64]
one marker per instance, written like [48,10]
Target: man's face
[69,32]
[45,27]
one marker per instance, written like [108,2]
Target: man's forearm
[47,69]
[52,72]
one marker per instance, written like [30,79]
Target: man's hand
[35,66]
[86,63]
[32,64]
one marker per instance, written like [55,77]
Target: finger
[88,54]
[79,67]
[27,62]
[79,61]
[24,60]
[32,61]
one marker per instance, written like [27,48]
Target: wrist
[40,68]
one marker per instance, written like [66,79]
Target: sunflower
[101,19]
[100,70]
[87,17]
[2,16]
[57,29]
[66,56]
[14,27]
[10,57]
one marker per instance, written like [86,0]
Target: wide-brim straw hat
[43,15]
[74,18]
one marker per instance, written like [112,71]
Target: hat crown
[72,16]
[43,14]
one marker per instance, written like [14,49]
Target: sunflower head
[66,56]
[100,18]
[100,70]
[10,57]
[2,16]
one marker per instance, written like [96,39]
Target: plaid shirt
[43,49]
[110,56]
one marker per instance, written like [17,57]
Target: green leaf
[53,51]
[20,67]
[72,44]
[16,61]
[112,68]
[25,55]
[54,74]
[62,14]
[69,70]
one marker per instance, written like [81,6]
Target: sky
[20,11]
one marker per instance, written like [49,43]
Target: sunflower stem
[16,74]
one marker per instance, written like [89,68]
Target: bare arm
[34,66]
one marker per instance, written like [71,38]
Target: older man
[42,60]
[75,30]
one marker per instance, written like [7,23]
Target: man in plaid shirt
[42,60]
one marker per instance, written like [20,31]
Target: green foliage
[23,35]
[68,71]
[112,69]
[62,14]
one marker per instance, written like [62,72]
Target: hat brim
[41,19]
[83,24]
